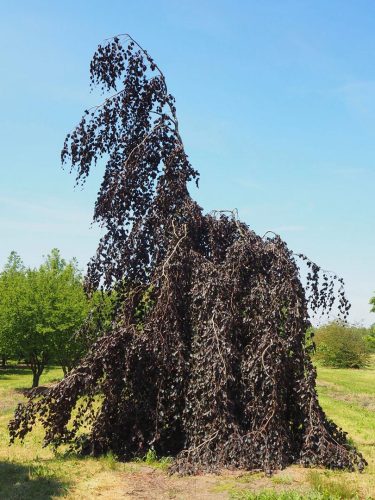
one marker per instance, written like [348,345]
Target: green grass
[153,460]
[320,486]
[29,471]
[350,380]
[14,380]
[348,398]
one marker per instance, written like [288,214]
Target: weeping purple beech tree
[206,359]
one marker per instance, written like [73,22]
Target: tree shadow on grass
[27,391]
[9,371]
[35,482]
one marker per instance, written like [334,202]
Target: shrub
[370,338]
[341,346]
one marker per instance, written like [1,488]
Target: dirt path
[148,483]
[153,484]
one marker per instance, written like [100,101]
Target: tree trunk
[36,377]
[37,369]
[3,361]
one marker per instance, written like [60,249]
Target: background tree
[342,346]
[370,338]
[12,282]
[371,333]
[102,305]
[372,303]
[41,309]
[64,310]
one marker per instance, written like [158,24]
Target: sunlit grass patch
[153,460]
[332,486]
[269,494]
[282,480]
[352,381]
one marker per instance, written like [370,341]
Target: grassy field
[28,471]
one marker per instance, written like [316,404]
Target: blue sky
[276,101]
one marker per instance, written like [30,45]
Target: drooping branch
[147,169]
[206,359]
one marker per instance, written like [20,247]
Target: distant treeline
[340,345]
[42,311]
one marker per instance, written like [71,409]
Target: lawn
[29,471]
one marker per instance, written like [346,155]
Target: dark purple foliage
[206,359]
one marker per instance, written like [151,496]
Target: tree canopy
[11,285]
[372,303]
[205,359]
[41,309]
[342,346]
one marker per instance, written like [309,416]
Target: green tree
[41,311]
[12,280]
[102,305]
[341,346]
[65,306]
[372,303]
[370,338]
